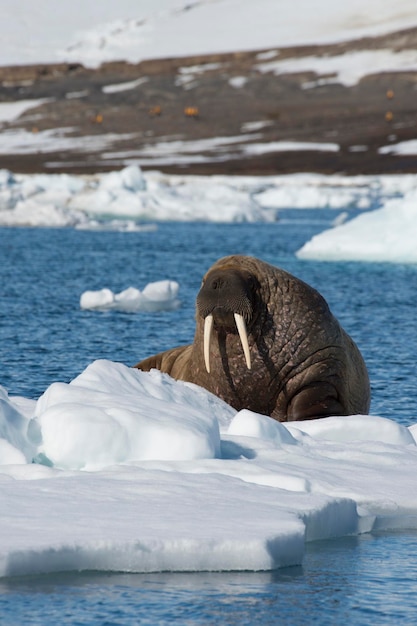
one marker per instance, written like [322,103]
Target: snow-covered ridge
[134,31]
[160,475]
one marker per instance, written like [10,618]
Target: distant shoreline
[214,114]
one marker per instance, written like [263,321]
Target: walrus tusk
[241,327]
[208,325]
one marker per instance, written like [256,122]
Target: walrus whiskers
[241,327]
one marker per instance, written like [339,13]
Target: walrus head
[226,302]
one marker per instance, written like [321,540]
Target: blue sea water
[45,337]
[366,580]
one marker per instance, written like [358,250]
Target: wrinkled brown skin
[304,365]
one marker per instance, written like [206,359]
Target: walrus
[268,342]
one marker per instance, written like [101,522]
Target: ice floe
[157,296]
[132,200]
[388,234]
[136,472]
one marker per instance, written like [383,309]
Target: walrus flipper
[319,399]
[171,362]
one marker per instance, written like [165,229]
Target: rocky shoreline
[211,114]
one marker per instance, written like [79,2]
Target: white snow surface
[10,111]
[347,69]
[403,147]
[136,472]
[45,32]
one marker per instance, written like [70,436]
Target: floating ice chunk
[161,291]
[158,296]
[387,234]
[101,300]
[130,300]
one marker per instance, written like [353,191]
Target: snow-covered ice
[161,295]
[132,200]
[386,234]
[136,472]
[128,194]
[128,418]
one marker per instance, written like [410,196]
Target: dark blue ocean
[45,337]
